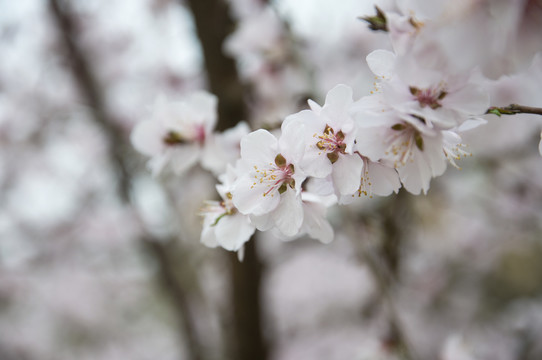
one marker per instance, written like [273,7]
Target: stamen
[402,140]
[429,97]
[455,152]
[277,177]
[365,184]
[330,143]
[173,138]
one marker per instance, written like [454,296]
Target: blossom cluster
[402,134]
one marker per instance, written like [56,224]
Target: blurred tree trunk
[213,24]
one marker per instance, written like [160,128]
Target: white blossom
[223,225]
[439,98]
[407,144]
[269,180]
[329,135]
[177,131]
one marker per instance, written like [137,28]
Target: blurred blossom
[459,267]
[457,348]
[177,132]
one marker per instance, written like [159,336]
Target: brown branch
[383,260]
[213,24]
[514,109]
[393,238]
[246,282]
[162,254]
[118,145]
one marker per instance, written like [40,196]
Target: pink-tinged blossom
[269,180]
[223,225]
[329,135]
[177,132]
[417,151]
[439,99]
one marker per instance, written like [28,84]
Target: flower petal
[205,105]
[262,222]
[339,97]
[381,63]
[233,231]
[183,157]
[292,141]
[315,222]
[347,174]
[147,137]
[471,99]
[384,179]
[258,147]
[249,198]
[288,216]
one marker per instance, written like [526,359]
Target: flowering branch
[514,109]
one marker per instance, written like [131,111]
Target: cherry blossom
[441,99]
[176,132]
[269,180]
[223,225]
[329,137]
[406,144]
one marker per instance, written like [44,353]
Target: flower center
[330,143]
[173,138]
[428,97]
[455,152]
[278,176]
[402,142]
[197,134]
[222,209]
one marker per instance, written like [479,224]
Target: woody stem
[514,109]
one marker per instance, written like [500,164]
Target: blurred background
[98,260]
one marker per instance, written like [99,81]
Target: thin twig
[514,109]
